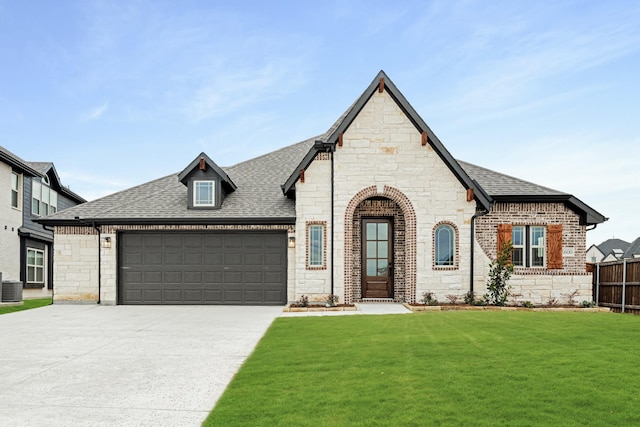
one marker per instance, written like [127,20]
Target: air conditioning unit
[11,291]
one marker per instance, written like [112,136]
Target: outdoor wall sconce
[106,242]
[291,240]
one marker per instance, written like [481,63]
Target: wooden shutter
[504,235]
[554,246]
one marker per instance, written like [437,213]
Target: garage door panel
[202,268]
[152,296]
[152,277]
[192,277]
[192,296]
[172,277]
[233,259]
[151,241]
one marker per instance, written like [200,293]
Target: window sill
[34,285]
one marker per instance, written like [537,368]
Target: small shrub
[571,297]
[469,297]
[453,299]
[480,301]
[332,300]
[429,299]
[303,301]
[552,301]
[527,304]
[588,304]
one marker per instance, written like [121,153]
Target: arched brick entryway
[351,289]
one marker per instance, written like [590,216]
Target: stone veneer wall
[537,284]
[371,208]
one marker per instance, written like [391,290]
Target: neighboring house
[375,209]
[594,254]
[31,190]
[613,250]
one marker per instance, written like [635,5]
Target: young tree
[499,274]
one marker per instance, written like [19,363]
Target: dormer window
[207,184]
[203,193]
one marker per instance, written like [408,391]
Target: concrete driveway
[79,365]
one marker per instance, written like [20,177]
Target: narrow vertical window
[53,202]
[538,246]
[36,195]
[445,245]
[316,245]
[517,239]
[203,194]
[15,190]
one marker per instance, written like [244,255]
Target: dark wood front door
[377,258]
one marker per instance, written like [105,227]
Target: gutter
[97,228]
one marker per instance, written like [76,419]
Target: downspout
[52,263]
[473,228]
[332,218]
[97,228]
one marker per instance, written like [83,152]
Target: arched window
[445,245]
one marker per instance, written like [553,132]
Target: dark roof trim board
[167,221]
[226,181]
[17,163]
[345,121]
[48,168]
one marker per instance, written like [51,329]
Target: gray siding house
[31,190]
[375,209]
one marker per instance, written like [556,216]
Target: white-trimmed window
[529,245]
[315,245]
[538,246]
[203,193]
[35,266]
[445,246]
[44,200]
[15,190]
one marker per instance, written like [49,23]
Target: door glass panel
[371,249]
[383,251]
[371,231]
[371,267]
[383,265]
[383,231]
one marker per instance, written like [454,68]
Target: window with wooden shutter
[554,248]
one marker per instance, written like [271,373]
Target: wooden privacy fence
[616,284]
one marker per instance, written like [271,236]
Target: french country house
[375,209]
[31,190]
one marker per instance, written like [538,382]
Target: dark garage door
[203,268]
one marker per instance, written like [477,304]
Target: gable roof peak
[202,162]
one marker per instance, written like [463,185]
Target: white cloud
[95,113]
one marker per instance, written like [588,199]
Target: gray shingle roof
[17,163]
[609,245]
[634,249]
[498,184]
[258,195]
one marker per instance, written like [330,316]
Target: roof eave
[167,221]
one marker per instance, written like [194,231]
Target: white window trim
[195,193]
[528,247]
[15,190]
[43,202]
[36,266]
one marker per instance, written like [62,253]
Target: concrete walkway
[74,365]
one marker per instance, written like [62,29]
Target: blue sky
[117,93]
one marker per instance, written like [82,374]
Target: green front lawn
[28,305]
[440,368]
